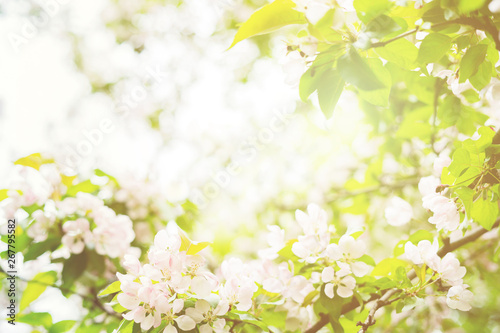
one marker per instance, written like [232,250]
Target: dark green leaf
[73,268]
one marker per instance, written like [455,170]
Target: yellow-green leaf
[196,247]
[433,47]
[268,19]
[111,289]
[388,266]
[33,160]
[36,287]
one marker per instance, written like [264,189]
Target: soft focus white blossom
[398,212]
[446,216]
[459,297]
[76,235]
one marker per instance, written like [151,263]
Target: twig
[94,299]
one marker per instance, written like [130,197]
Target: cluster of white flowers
[341,258]
[398,212]
[160,290]
[29,186]
[447,269]
[137,197]
[95,225]
[174,287]
[446,216]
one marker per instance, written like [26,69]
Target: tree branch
[448,247]
[94,299]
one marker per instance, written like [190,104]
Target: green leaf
[308,83]
[286,252]
[330,88]
[37,249]
[250,319]
[36,287]
[467,6]
[111,289]
[101,173]
[471,61]
[433,48]
[378,97]
[269,18]
[314,76]
[384,283]
[479,145]
[466,195]
[461,160]
[74,268]
[36,319]
[369,9]
[333,307]
[62,326]
[416,237]
[355,70]
[482,77]
[85,186]
[387,267]
[485,212]
[381,26]
[401,52]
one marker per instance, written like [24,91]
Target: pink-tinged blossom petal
[128,301]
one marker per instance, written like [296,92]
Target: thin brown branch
[94,299]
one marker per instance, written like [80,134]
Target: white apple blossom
[204,313]
[442,161]
[427,185]
[238,292]
[347,251]
[43,220]
[446,216]
[313,9]
[494,6]
[449,269]
[310,247]
[340,279]
[276,241]
[459,297]
[424,253]
[184,322]
[398,212]
[293,67]
[76,235]
[315,222]
[113,237]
